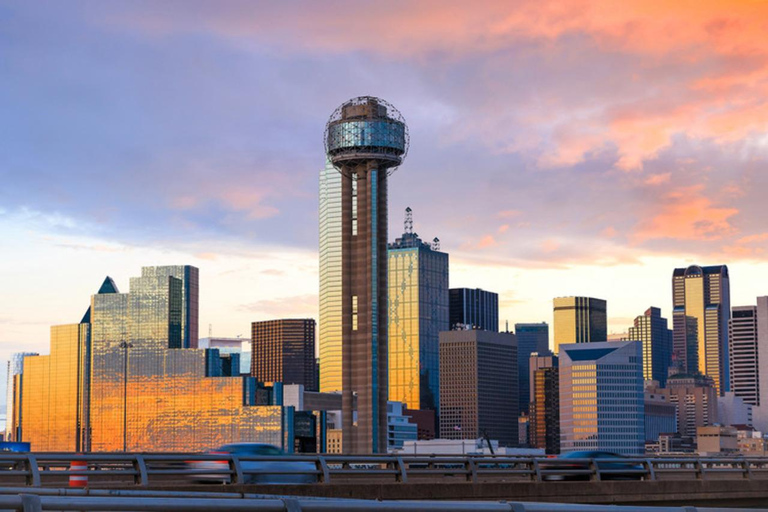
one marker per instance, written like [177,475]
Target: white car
[268,470]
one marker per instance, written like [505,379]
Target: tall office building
[601,397]
[366,139]
[651,329]
[329,338]
[530,338]
[744,370]
[701,299]
[544,399]
[14,394]
[760,412]
[579,320]
[474,308]
[284,351]
[660,416]
[695,398]
[121,381]
[418,312]
[190,298]
[478,377]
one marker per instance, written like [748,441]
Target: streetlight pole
[125,345]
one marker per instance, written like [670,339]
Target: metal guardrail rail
[37,503]
[143,470]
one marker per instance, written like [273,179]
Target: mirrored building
[579,320]
[13,395]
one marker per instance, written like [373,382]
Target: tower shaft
[364,308]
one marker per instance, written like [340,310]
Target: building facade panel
[579,320]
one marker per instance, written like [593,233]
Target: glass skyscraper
[122,381]
[284,351]
[530,338]
[579,320]
[601,397]
[329,339]
[418,311]
[190,298]
[474,308]
[651,329]
[13,394]
[701,298]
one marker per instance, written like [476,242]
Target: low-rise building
[716,440]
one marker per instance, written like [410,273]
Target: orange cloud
[487,241]
[686,214]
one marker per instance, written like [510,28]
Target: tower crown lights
[367,128]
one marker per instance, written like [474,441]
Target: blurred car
[576,466]
[268,471]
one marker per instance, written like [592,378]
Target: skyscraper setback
[365,139]
[418,311]
[579,320]
[701,299]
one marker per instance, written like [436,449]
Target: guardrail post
[699,470]
[402,476]
[235,470]
[593,465]
[471,470]
[33,477]
[747,469]
[31,503]
[650,469]
[291,505]
[140,466]
[536,475]
[325,476]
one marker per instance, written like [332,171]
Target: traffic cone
[77,476]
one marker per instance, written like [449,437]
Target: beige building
[716,440]
[696,400]
[579,320]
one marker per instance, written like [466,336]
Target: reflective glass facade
[284,351]
[530,338]
[378,133]
[651,329]
[579,320]
[329,338]
[702,305]
[601,397]
[12,412]
[418,312]
[190,298]
[474,308]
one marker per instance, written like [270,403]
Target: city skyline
[554,207]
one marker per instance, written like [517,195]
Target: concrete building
[418,312]
[660,416]
[425,421]
[284,351]
[601,397]
[733,410]
[716,441]
[478,381]
[651,329]
[760,412]
[696,401]
[399,427]
[473,308]
[742,346]
[701,299]
[579,320]
[544,399]
[365,139]
[530,338]
[329,338]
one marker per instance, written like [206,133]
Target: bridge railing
[143,469]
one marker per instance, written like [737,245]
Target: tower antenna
[436,244]
[408,220]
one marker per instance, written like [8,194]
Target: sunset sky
[557,148]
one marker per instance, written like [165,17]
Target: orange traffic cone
[75,478]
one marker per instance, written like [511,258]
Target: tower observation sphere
[366,139]
[366,129]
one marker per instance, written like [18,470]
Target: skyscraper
[418,312]
[478,377]
[366,139]
[601,397]
[651,329]
[744,370]
[474,308]
[14,394]
[579,320]
[695,398]
[284,351]
[701,299]
[190,298]
[760,412]
[544,402]
[329,339]
[530,338]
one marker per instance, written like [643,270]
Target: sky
[557,148]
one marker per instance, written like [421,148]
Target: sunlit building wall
[696,400]
[579,320]
[418,312]
[190,298]
[329,337]
[13,389]
[601,397]
[651,329]
[702,307]
[530,338]
[544,398]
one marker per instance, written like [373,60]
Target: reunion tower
[366,139]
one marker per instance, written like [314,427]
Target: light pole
[125,345]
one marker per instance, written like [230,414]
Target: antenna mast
[408,220]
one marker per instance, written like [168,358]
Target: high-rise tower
[579,320]
[366,139]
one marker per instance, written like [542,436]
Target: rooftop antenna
[507,326]
[436,244]
[210,330]
[408,220]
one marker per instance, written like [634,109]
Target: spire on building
[408,220]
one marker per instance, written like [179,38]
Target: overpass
[656,481]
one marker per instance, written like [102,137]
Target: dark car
[268,471]
[578,466]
